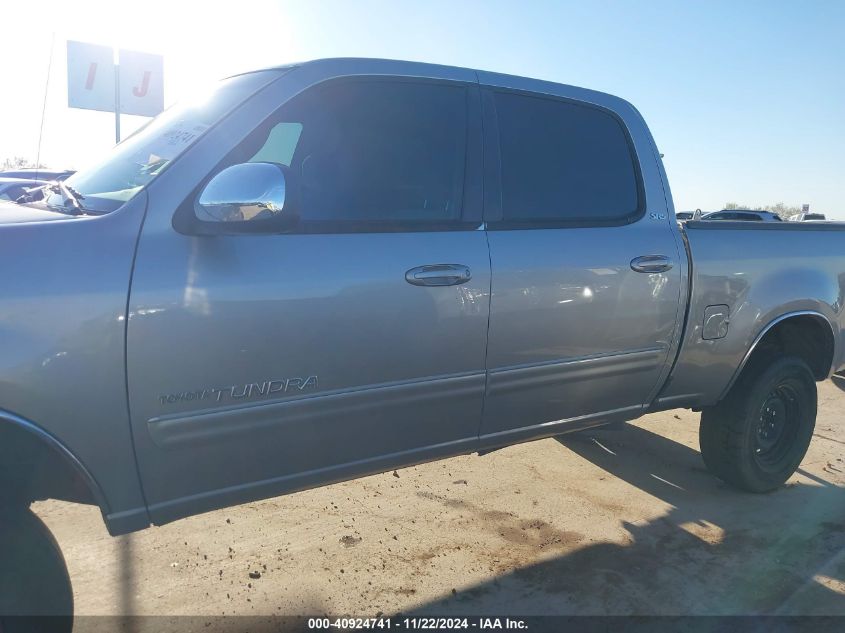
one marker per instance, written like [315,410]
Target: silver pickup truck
[322,271]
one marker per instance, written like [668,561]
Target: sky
[745,98]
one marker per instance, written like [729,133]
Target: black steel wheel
[757,436]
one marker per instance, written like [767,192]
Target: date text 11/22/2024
[421,623]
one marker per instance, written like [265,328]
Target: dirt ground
[604,522]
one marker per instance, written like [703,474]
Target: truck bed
[763,273]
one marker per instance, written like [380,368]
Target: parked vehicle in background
[346,266]
[37,174]
[811,217]
[14,188]
[684,216]
[41,178]
[742,215]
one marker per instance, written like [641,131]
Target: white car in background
[811,217]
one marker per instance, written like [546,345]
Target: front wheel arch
[35,465]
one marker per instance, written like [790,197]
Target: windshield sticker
[172,141]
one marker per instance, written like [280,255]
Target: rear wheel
[757,436]
[33,576]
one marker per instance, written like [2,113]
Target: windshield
[135,162]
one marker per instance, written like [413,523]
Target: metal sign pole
[117,103]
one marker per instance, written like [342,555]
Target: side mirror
[245,198]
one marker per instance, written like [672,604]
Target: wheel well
[31,468]
[806,336]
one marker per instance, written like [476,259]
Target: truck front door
[260,364]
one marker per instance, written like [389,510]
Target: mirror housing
[244,198]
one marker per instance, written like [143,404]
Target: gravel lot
[604,522]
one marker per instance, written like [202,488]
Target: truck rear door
[586,262]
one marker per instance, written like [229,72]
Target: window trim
[471,217]
[493,211]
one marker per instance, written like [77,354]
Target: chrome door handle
[651,264]
[438,275]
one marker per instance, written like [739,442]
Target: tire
[757,436]
[33,577]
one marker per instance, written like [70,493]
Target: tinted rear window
[563,162]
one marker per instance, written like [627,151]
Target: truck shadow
[715,551]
